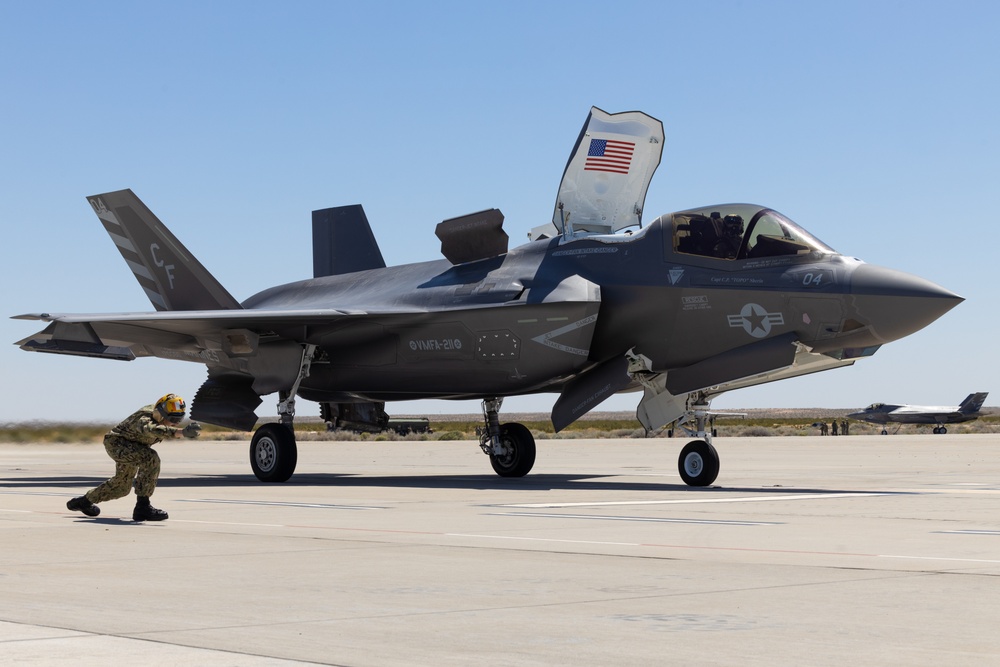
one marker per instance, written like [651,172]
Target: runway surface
[808,551]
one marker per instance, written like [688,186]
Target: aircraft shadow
[485,482]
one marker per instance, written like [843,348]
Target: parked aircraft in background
[885,413]
[694,304]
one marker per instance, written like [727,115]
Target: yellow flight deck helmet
[171,408]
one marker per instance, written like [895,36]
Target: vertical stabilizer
[343,242]
[169,274]
[973,403]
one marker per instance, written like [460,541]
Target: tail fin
[170,275]
[343,242]
[973,403]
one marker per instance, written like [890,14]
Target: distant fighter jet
[682,309]
[884,413]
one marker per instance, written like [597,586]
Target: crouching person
[130,445]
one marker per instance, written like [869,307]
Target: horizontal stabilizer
[78,340]
[473,237]
[78,349]
[343,242]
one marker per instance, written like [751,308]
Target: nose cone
[895,304]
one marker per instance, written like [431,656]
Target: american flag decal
[609,155]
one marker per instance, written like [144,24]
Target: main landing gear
[273,452]
[511,447]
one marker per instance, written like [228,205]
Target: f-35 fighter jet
[939,415]
[681,309]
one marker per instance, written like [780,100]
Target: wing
[190,335]
[249,353]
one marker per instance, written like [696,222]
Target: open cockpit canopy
[741,231]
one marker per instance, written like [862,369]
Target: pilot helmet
[171,408]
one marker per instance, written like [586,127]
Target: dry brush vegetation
[757,423]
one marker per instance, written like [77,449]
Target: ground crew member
[130,445]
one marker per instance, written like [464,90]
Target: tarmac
[865,550]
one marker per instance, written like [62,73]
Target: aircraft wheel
[885,432]
[698,463]
[519,451]
[942,430]
[273,453]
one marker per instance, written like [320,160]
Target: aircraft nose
[895,304]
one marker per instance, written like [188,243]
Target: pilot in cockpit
[731,238]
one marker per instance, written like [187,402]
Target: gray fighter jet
[681,309]
[939,415]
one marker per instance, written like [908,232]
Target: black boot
[81,504]
[145,512]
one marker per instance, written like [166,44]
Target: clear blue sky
[872,124]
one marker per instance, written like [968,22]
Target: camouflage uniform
[130,445]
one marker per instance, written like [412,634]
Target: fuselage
[534,318]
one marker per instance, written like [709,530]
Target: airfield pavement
[864,550]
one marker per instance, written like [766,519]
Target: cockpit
[741,231]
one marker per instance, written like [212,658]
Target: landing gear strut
[273,452]
[511,447]
[698,462]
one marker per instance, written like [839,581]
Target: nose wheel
[698,463]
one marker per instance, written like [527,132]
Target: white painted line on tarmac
[231,523]
[695,501]
[953,560]
[542,539]
[269,503]
[602,517]
[739,549]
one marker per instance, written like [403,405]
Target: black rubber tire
[698,463]
[273,453]
[520,456]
